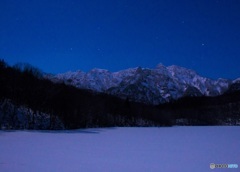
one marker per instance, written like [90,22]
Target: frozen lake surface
[178,149]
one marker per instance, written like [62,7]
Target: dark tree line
[219,110]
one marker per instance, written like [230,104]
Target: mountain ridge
[152,86]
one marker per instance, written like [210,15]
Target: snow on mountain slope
[235,86]
[236,80]
[206,86]
[152,86]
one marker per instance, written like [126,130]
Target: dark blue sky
[62,35]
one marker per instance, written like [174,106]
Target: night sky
[62,35]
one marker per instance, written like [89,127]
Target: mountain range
[151,86]
[100,98]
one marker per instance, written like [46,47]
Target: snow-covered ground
[184,149]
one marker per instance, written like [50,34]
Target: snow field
[178,149]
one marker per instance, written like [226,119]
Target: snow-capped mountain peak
[152,86]
[236,80]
